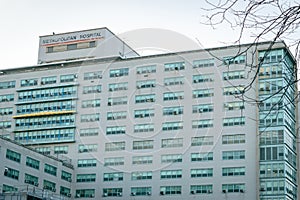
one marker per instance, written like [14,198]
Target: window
[114,161]
[8,188]
[43,150]
[61,150]
[141,191]
[92,75]
[71,46]
[204,172]
[48,80]
[118,72]
[113,176]
[174,66]
[232,75]
[201,189]
[202,141]
[49,169]
[203,63]
[7,84]
[233,155]
[141,175]
[112,192]
[29,82]
[170,190]
[65,191]
[85,193]
[90,103]
[12,155]
[144,144]
[117,86]
[203,108]
[5,124]
[117,101]
[272,118]
[233,139]
[270,71]
[176,110]
[271,137]
[92,89]
[203,78]
[140,128]
[203,123]
[68,78]
[172,143]
[116,115]
[90,117]
[6,98]
[48,185]
[233,90]
[230,188]
[142,160]
[171,158]
[115,146]
[145,98]
[6,111]
[233,171]
[32,180]
[170,96]
[114,130]
[236,105]
[12,173]
[202,93]
[85,178]
[234,121]
[86,163]
[271,56]
[239,59]
[271,170]
[145,84]
[272,153]
[84,148]
[168,126]
[89,132]
[146,69]
[66,176]
[170,174]
[144,113]
[174,81]
[199,157]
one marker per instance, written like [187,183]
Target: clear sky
[22,22]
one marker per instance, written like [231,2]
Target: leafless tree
[259,20]
[262,20]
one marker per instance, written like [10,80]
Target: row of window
[168,126]
[148,159]
[168,158]
[43,136]
[164,190]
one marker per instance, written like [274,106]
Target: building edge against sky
[179,124]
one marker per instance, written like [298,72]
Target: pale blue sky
[22,22]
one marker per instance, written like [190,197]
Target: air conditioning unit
[36,184]
[193,192]
[209,191]
[104,195]
[27,181]
[162,193]
[133,193]
[242,191]
[68,195]
[53,190]
[224,191]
